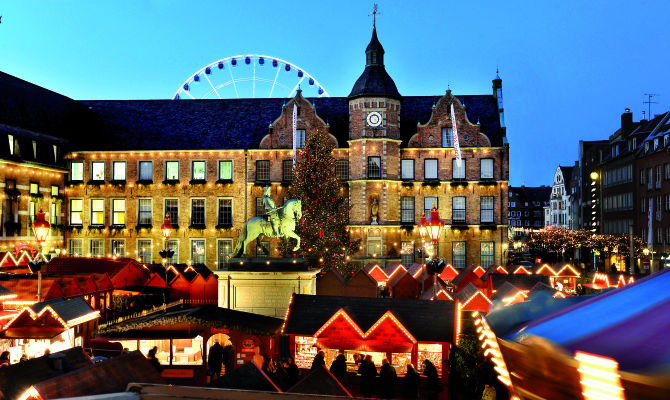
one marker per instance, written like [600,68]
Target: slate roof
[247,377]
[87,265]
[425,320]
[16,378]
[66,309]
[504,290]
[374,81]
[4,292]
[110,376]
[467,292]
[320,381]
[521,281]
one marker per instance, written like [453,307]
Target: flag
[650,236]
[295,118]
[454,131]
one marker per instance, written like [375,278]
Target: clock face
[374,119]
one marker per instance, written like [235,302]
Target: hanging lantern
[435,225]
[166,228]
[41,227]
[422,227]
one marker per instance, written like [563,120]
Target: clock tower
[374,142]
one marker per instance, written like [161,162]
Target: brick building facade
[205,162]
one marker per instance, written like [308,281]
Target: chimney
[627,121]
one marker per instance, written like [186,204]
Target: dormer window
[646,146]
[615,150]
[655,143]
[666,139]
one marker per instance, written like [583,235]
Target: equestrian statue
[280,223]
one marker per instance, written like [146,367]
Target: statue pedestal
[264,285]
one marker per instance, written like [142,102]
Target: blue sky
[569,68]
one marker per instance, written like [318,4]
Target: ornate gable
[430,133]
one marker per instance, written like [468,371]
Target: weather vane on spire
[374,15]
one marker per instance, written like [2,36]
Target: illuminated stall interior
[53,325]
[401,331]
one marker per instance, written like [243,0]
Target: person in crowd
[214,359]
[293,372]
[388,379]
[228,358]
[4,359]
[268,368]
[339,367]
[319,360]
[433,385]
[24,357]
[357,359]
[411,382]
[368,372]
[151,356]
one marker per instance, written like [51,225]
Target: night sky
[569,68]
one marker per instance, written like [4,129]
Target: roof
[16,378]
[88,265]
[202,317]
[320,381]
[67,310]
[521,281]
[567,172]
[531,194]
[110,376]
[629,324]
[505,290]
[6,293]
[374,81]
[247,377]
[425,320]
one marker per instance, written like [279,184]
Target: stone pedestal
[264,286]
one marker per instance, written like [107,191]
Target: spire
[374,53]
[374,80]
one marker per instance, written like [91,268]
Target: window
[198,212]
[225,212]
[667,172]
[119,170]
[144,212]
[118,211]
[458,209]
[198,251]
[118,247]
[172,210]
[374,246]
[225,170]
[667,202]
[407,209]
[486,209]
[97,211]
[486,168]
[650,179]
[447,137]
[287,170]
[299,138]
[55,190]
[342,169]
[34,188]
[172,170]
[97,247]
[658,176]
[173,244]
[75,247]
[458,259]
[486,254]
[407,253]
[406,169]
[260,207]
[428,205]
[430,168]
[198,170]
[54,213]
[144,250]
[146,170]
[262,170]
[98,171]
[459,170]
[225,247]
[10,138]
[642,176]
[374,167]
[76,207]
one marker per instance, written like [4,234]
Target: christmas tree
[325,241]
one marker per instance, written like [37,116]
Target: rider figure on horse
[271,210]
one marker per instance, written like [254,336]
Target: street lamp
[433,229]
[41,228]
[166,253]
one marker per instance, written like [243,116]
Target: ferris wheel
[249,76]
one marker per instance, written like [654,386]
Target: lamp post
[41,228]
[166,253]
[433,229]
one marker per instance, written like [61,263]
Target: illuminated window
[197,211]
[374,167]
[97,247]
[76,171]
[172,170]
[458,209]
[76,208]
[486,208]
[487,255]
[406,169]
[119,170]
[54,213]
[144,212]
[173,244]
[430,168]
[407,209]
[225,170]
[260,207]
[458,169]
[172,209]
[146,171]
[486,168]
[198,251]
[458,259]
[374,244]
[118,211]
[118,247]
[97,211]
[144,250]
[198,170]
[407,253]
[287,170]
[342,169]
[55,190]
[225,248]
[98,171]
[428,205]
[263,170]
[75,247]
[225,212]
